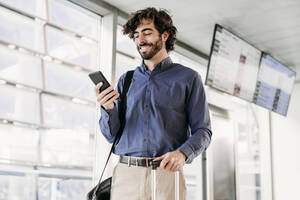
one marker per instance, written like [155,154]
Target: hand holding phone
[106,95]
[98,77]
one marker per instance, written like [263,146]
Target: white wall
[286,150]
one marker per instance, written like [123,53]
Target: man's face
[147,39]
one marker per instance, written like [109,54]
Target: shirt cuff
[108,113]
[188,152]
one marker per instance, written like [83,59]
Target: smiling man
[167,116]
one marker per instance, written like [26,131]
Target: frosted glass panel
[17,187]
[19,67]
[20,30]
[62,113]
[63,189]
[18,143]
[33,7]
[19,104]
[75,18]
[72,49]
[66,147]
[66,80]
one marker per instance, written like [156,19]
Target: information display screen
[238,68]
[274,85]
[233,65]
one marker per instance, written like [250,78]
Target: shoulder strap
[122,112]
[123,102]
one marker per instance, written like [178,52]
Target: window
[20,30]
[47,107]
[61,113]
[12,67]
[19,104]
[32,7]
[72,49]
[71,17]
[66,80]
[23,148]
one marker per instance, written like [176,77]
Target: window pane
[20,67]
[20,30]
[66,147]
[66,80]
[18,143]
[75,18]
[19,104]
[63,189]
[62,113]
[69,48]
[125,44]
[33,7]
[17,187]
[124,64]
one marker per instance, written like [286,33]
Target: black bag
[102,190]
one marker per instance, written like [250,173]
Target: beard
[154,48]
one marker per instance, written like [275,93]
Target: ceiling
[272,26]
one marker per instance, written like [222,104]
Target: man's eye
[135,36]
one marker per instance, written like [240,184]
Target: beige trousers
[134,183]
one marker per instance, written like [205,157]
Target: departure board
[274,85]
[233,65]
[238,68]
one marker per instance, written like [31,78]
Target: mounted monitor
[274,85]
[233,65]
[238,68]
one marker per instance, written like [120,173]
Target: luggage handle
[154,166]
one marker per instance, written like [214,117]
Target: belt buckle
[147,165]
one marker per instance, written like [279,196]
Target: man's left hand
[172,161]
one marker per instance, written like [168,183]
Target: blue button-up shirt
[166,111]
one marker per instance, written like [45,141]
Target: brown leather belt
[135,161]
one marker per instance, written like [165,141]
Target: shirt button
[146,106]
[148,90]
[145,140]
[145,121]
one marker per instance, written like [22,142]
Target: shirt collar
[163,65]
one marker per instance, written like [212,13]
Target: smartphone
[98,77]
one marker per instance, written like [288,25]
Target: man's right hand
[107,97]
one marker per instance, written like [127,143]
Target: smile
[144,47]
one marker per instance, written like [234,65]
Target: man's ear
[165,36]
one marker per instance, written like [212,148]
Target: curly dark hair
[162,22]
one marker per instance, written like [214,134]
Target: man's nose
[141,39]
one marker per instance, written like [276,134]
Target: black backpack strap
[123,102]
[122,113]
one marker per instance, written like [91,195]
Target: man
[167,116]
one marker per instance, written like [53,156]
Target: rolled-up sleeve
[109,120]
[199,121]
